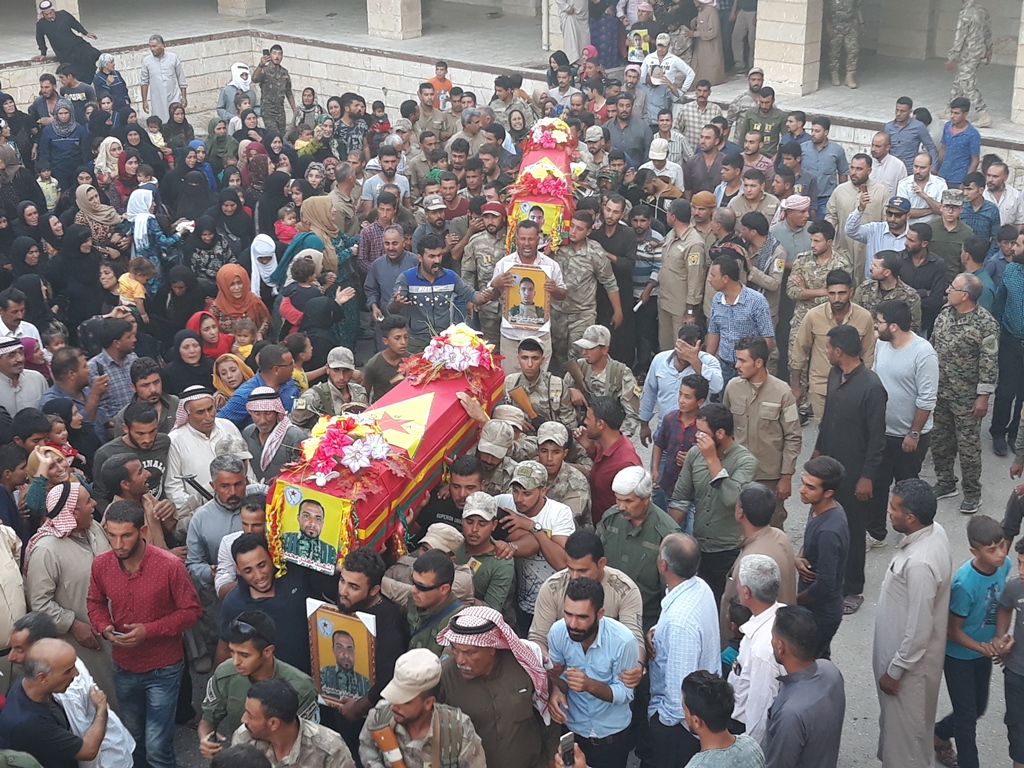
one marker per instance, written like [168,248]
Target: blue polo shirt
[827,165]
[960,148]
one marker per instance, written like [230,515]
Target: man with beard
[431,603]
[434,210]
[380,278]
[215,519]
[482,252]
[860,194]
[342,679]
[925,272]
[129,480]
[888,169]
[388,174]
[878,236]
[428,295]
[141,600]
[619,242]
[140,437]
[282,598]
[359,590]
[590,651]
[252,645]
[272,438]
[703,171]
[69,40]
[306,543]
[147,384]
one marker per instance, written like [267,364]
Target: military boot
[835,78]
[982,120]
[850,81]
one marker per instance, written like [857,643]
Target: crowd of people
[177,313]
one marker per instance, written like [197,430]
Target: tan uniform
[813,273]
[812,347]
[768,205]
[844,201]
[500,480]
[767,423]
[475,142]
[345,215]
[548,395]
[765,541]
[582,269]
[768,281]
[458,743]
[684,266]
[417,170]
[482,252]
[316,746]
[443,124]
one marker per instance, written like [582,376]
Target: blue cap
[899,203]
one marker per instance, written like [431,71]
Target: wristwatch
[915,435]
[537,527]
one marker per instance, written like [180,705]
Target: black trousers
[673,746]
[782,329]
[857,515]
[715,568]
[896,466]
[645,330]
[612,752]
[1010,389]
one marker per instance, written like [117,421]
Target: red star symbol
[388,422]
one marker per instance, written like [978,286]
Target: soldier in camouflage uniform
[482,252]
[806,283]
[972,46]
[332,396]
[842,24]
[966,340]
[275,86]
[584,265]
[605,377]
[885,285]
[496,439]
[565,482]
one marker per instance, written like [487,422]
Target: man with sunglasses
[431,603]
[889,235]
[251,640]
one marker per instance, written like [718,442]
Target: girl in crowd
[213,341]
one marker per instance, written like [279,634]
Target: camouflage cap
[530,475]
[952,197]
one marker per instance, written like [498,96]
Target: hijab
[171,129]
[315,166]
[66,128]
[275,157]
[203,166]
[224,340]
[243,132]
[238,224]
[317,213]
[181,308]
[194,198]
[11,165]
[242,84]
[228,304]
[251,150]
[262,247]
[308,115]
[22,229]
[138,213]
[125,182]
[204,223]
[16,257]
[259,170]
[273,199]
[21,123]
[520,134]
[83,439]
[177,375]
[227,175]
[145,147]
[105,164]
[219,147]
[98,125]
[37,307]
[562,60]
[218,382]
[48,234]
[31,345]
[97,214]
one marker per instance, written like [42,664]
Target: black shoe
[999,446]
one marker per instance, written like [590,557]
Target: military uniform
[275,87]
[338,681]
[870,294]
[843,20]
[572,488]
[226,692]
[424,626]
[967,348]
[478,259]
[315,747]
[813,273]
[582,269]
[458,743]
[500,480]
[972,43]
[314,550]
[616,380]
[684,266]
[443,124]
[324,398]
[548,396]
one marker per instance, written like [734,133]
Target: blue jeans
[967,681]
[148,701]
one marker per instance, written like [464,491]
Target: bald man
[888,170]
[33,722]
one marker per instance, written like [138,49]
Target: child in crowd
[302,352]
[303,135]
[973,605]
[297,294]
[58,438]
[49,185]
[739,615]
[13,474]
[52,341]
[154,127]
[246,335]
[676,434]
[132,284]
[380,374]
[1011,653]
[1006,238]
[442,85]
[380,124]
[285,228]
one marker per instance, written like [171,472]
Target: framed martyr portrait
[342,649]
[526,300]
[311,527]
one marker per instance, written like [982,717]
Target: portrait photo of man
[341,679]
[306,543]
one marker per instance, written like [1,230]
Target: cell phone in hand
[266,51]
[100,370]
[565,749]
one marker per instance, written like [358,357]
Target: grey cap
[480,504]
[530,474]
[341,357]
[553,432]
[496,438]
[595,336]
[433,203]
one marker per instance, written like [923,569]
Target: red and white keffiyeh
[61,501]
[266,399]
[483,627]
[195,392]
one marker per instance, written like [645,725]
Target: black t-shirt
[39,728]
[287,608]
[438,511]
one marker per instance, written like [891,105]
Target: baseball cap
[901,203]
[595,336]
[480,504]
[496,438]
[232,446]
[444,537]
[552,432]
[755,71]
[530,474]
[433,202]
[951,197]
[509,414]
[594,133]
[416,671]
[492,207]
[659,149]
[703,199]
[402,124]
[341,357]
[663,39]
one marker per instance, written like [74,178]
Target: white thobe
[575,26]
[166,79]
[190,454]
[889,171]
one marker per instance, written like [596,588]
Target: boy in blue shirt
[973,606]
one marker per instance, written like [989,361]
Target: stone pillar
[1017,105]
[394,19]
[788,45]
[242,8]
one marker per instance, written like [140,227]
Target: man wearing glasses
[276,367]
[889,235]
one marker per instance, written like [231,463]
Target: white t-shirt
[371,187]
[556,519]
[551,269]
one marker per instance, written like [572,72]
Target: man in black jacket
[68,39]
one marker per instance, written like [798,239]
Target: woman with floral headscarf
[109,81]
[176,131]
[103,221]
[245,156]
[106,160]
[219,144]
[316,175]
[236,300]
[309,109]
[64,144]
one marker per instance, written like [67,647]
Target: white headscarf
[263,246]
[106,163]
[236,77]
[138,214]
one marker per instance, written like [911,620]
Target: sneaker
[999,446]
[970,505]
[944,491]
[870,542]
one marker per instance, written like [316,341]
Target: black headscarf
[16,258]
[21,229]
[76,275]
[273,199]
[239,224]
[194,197]
[172,184]
[243,133]
[145,147]
[318,316]
[275,157]
[181,308]
[84,438]
[177,375]
[563,61]
[37,307]
[98,126]
[48,234]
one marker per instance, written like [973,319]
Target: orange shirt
[440,85]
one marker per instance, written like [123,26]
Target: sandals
[945,754]
[852,603]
